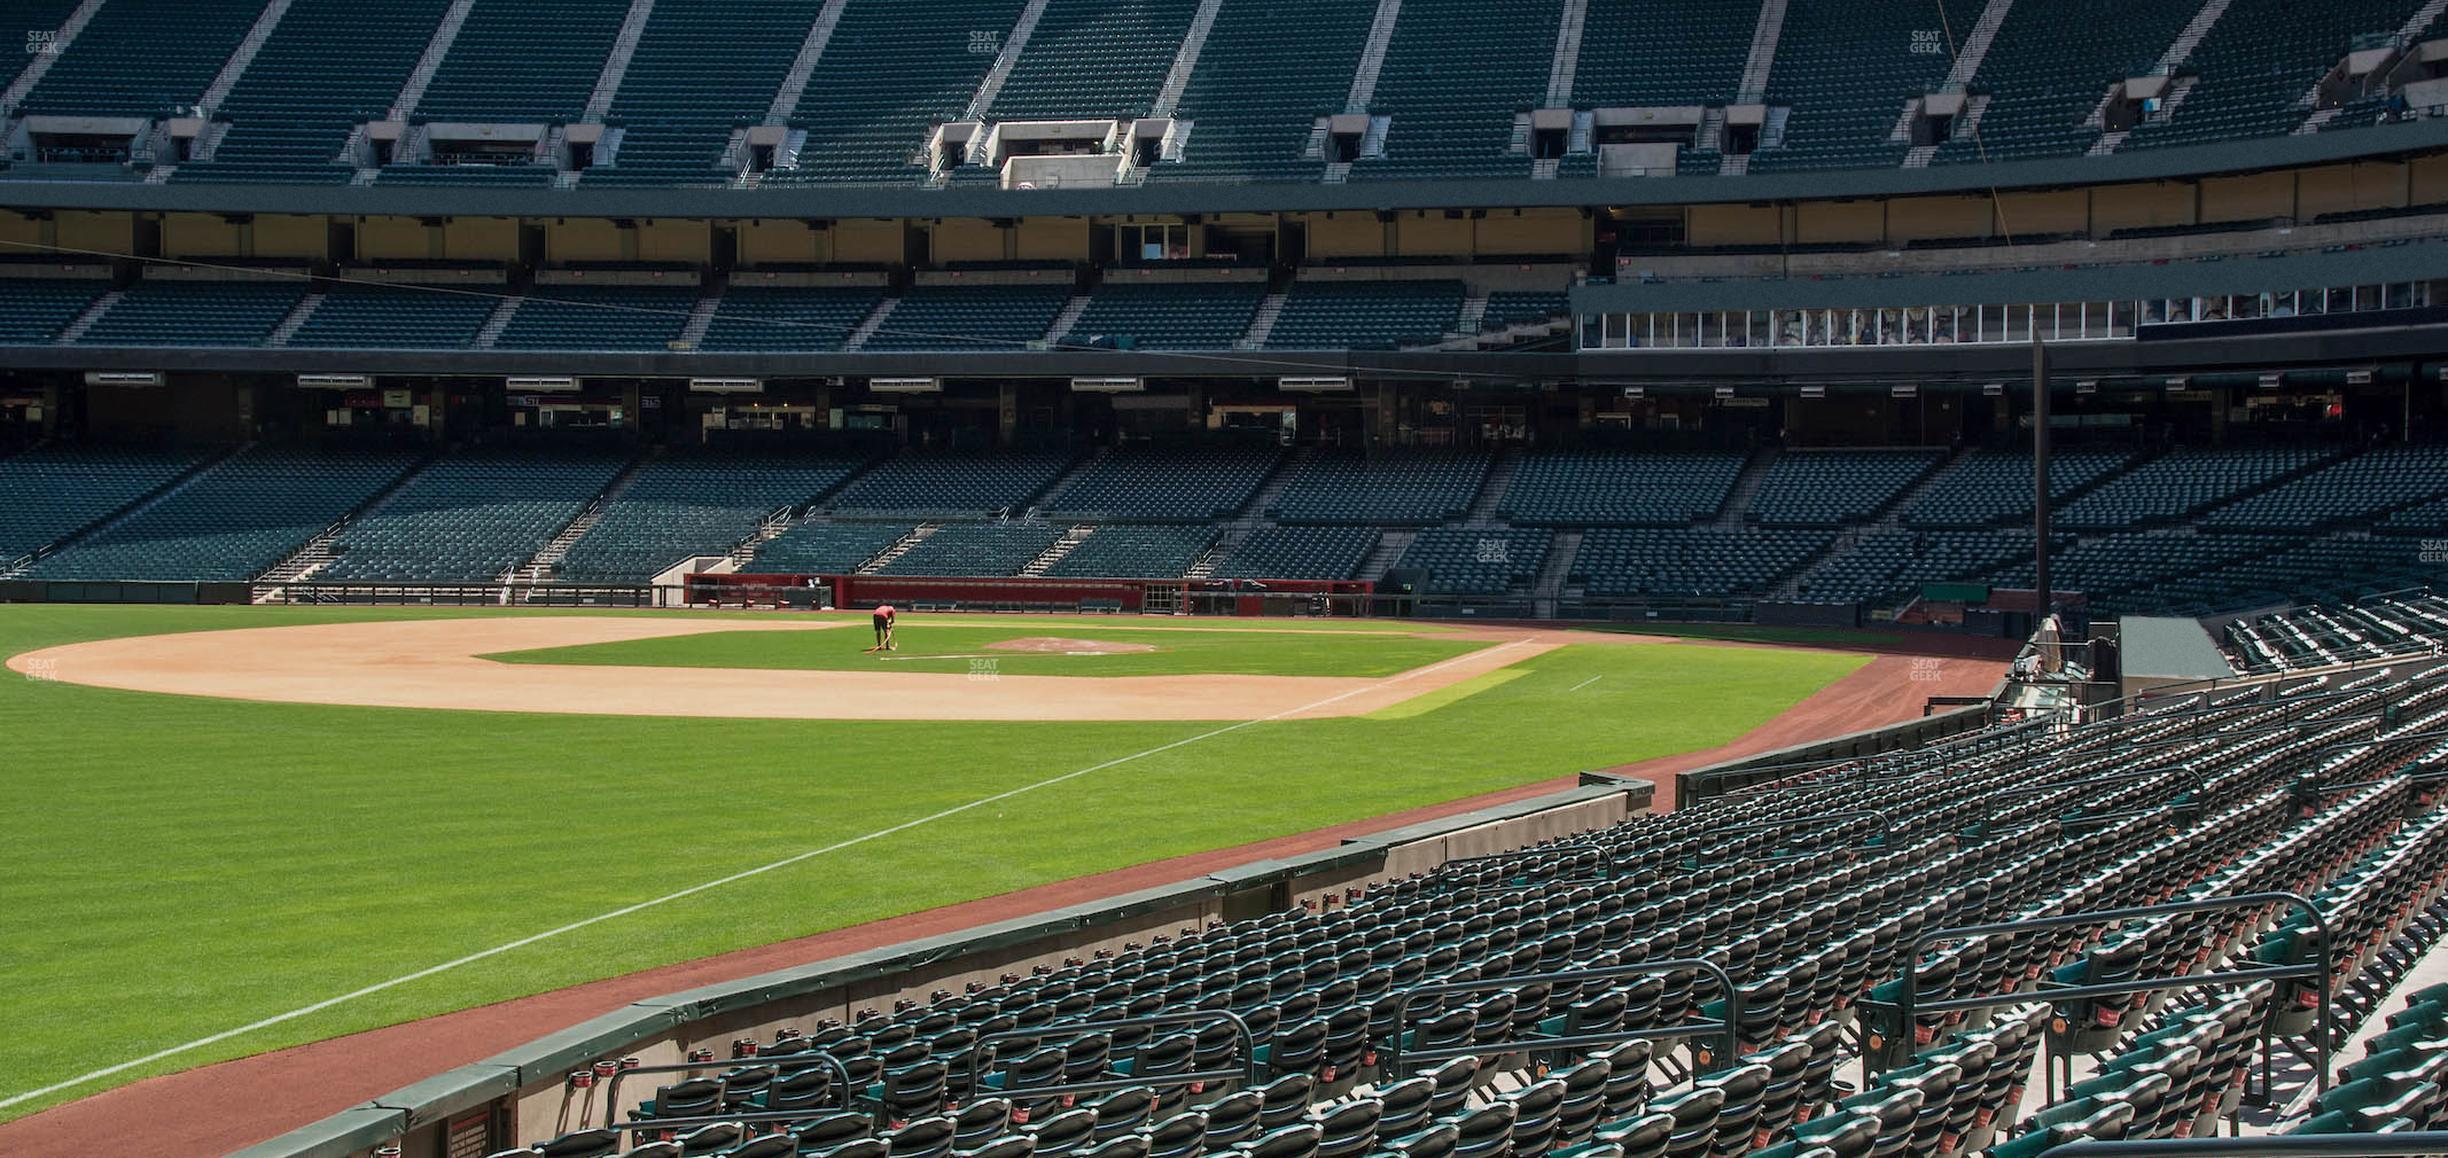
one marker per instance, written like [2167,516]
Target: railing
[1395,1054]
[2272,1146]
[779,1063]
[982,1054]
[1909,1006]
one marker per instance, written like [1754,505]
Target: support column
[2040,479]
[1007,412]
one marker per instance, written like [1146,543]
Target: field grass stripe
[693,890]
[1583,684]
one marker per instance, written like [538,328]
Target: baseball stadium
[1223,578]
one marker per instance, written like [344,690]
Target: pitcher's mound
[1051,645]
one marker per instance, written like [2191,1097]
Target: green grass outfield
[954,645]
[180,866]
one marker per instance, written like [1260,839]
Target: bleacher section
[2258,62]
[37,309]
[49,493]
[1094,58]
[976,318]
[529,61]
[2408,624]
[1134,552]
[1524,308]
[703,68]
[1477,562]
[2125,571]
[2353,491]
[37,17]
[1451,81]
[604,317]
[695,504]
[1366,315]
[1663,52]
[2184,482]
[140,58]
[1827,488]
[1984,488]
[825,548]
[789,317]
[1160,485]
[195,313]
[1690,562]
[888,80]
[1619,488]
[2043,83]
[1299,553]
[1453,77]
[231,522]
[360,316]
[2324,567]
[1846,70]
[329,66]
[1266,72]
[976,549]
[469,517]
[1532,1052]
[953,485]
[1384,487]
[1168,315]
[2192,532]
[1883,564]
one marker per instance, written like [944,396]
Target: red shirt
[885,612]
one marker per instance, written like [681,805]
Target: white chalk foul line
[1583,684]
[693,890]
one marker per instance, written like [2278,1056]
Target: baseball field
[240,829]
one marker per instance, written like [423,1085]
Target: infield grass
[180,866]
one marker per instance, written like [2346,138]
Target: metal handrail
[779,1062]
[1909,1006]
[1394,1053]
[2269,1146]
[982,1053]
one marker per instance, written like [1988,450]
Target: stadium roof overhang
[2258,154]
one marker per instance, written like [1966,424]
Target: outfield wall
[524,1095]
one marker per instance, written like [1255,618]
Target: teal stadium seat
[49,493]
[1454,75]
[122,64]
[992,319]
[695,504]
[469,517]
[329,66]
[982,550]
[1367,315]
[195,313]
[951,485]
[1299,553]
[364,316]
[1164,485]
[1381,487]
[1125,551]
[234,520]
[754,317]
[702,69]
[36,309]
[825,548]
[599,317]
[1094,58]
[1268,70]
[1169,315]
